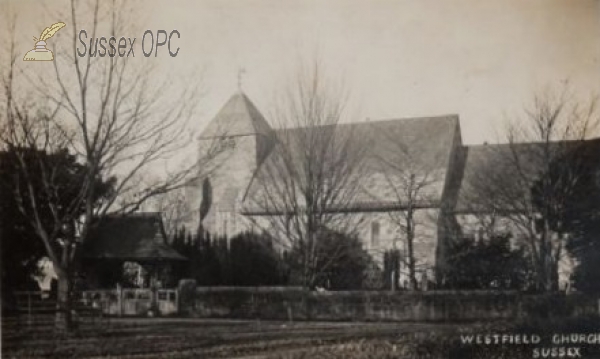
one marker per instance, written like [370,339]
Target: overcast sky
[480,59]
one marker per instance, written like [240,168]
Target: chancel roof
[500,176]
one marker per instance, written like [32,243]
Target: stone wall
[391,236]
[297,304]
[234,167]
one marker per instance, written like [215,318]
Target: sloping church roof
[492,169]
[421,146]
[238,117]
[136,237]
[428,140]
[431,144]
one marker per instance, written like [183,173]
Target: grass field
[204,338]
[255,339]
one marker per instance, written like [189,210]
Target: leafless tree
[412,183]
[529,179]
[109,113]
[175,210]
[308,183]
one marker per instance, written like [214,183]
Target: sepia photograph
[295,179]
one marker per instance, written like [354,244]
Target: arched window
[375,233]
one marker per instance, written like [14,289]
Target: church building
[432,145]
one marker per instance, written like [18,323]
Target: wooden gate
[133,301]
[167,300]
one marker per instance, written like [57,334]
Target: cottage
[134,244]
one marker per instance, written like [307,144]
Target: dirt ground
[205,338]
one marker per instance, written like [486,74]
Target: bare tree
[528,181]
[412,185]
[175,211]
[106,112]
[309,182]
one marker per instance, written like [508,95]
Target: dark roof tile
[137,237]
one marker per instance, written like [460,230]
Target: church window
[375,228]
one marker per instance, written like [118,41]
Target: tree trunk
[410,236]
[554,277]
[63,320]
[548,268]
[551,274]
[411,265]
[547,276]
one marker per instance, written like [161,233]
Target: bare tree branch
[313,172]
[529,179]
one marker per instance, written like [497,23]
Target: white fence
[133,302]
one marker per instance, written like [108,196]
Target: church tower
[240,138]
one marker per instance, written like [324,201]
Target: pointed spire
[239,116]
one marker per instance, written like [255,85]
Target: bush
[254,261]
[341,263]
[587,273]
[487,265]
[247,259]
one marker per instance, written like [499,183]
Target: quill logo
[40,52]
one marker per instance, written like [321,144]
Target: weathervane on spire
[241,72]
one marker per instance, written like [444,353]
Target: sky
[481,59]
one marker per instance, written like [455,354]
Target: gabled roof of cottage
[238,117]
[135,237]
